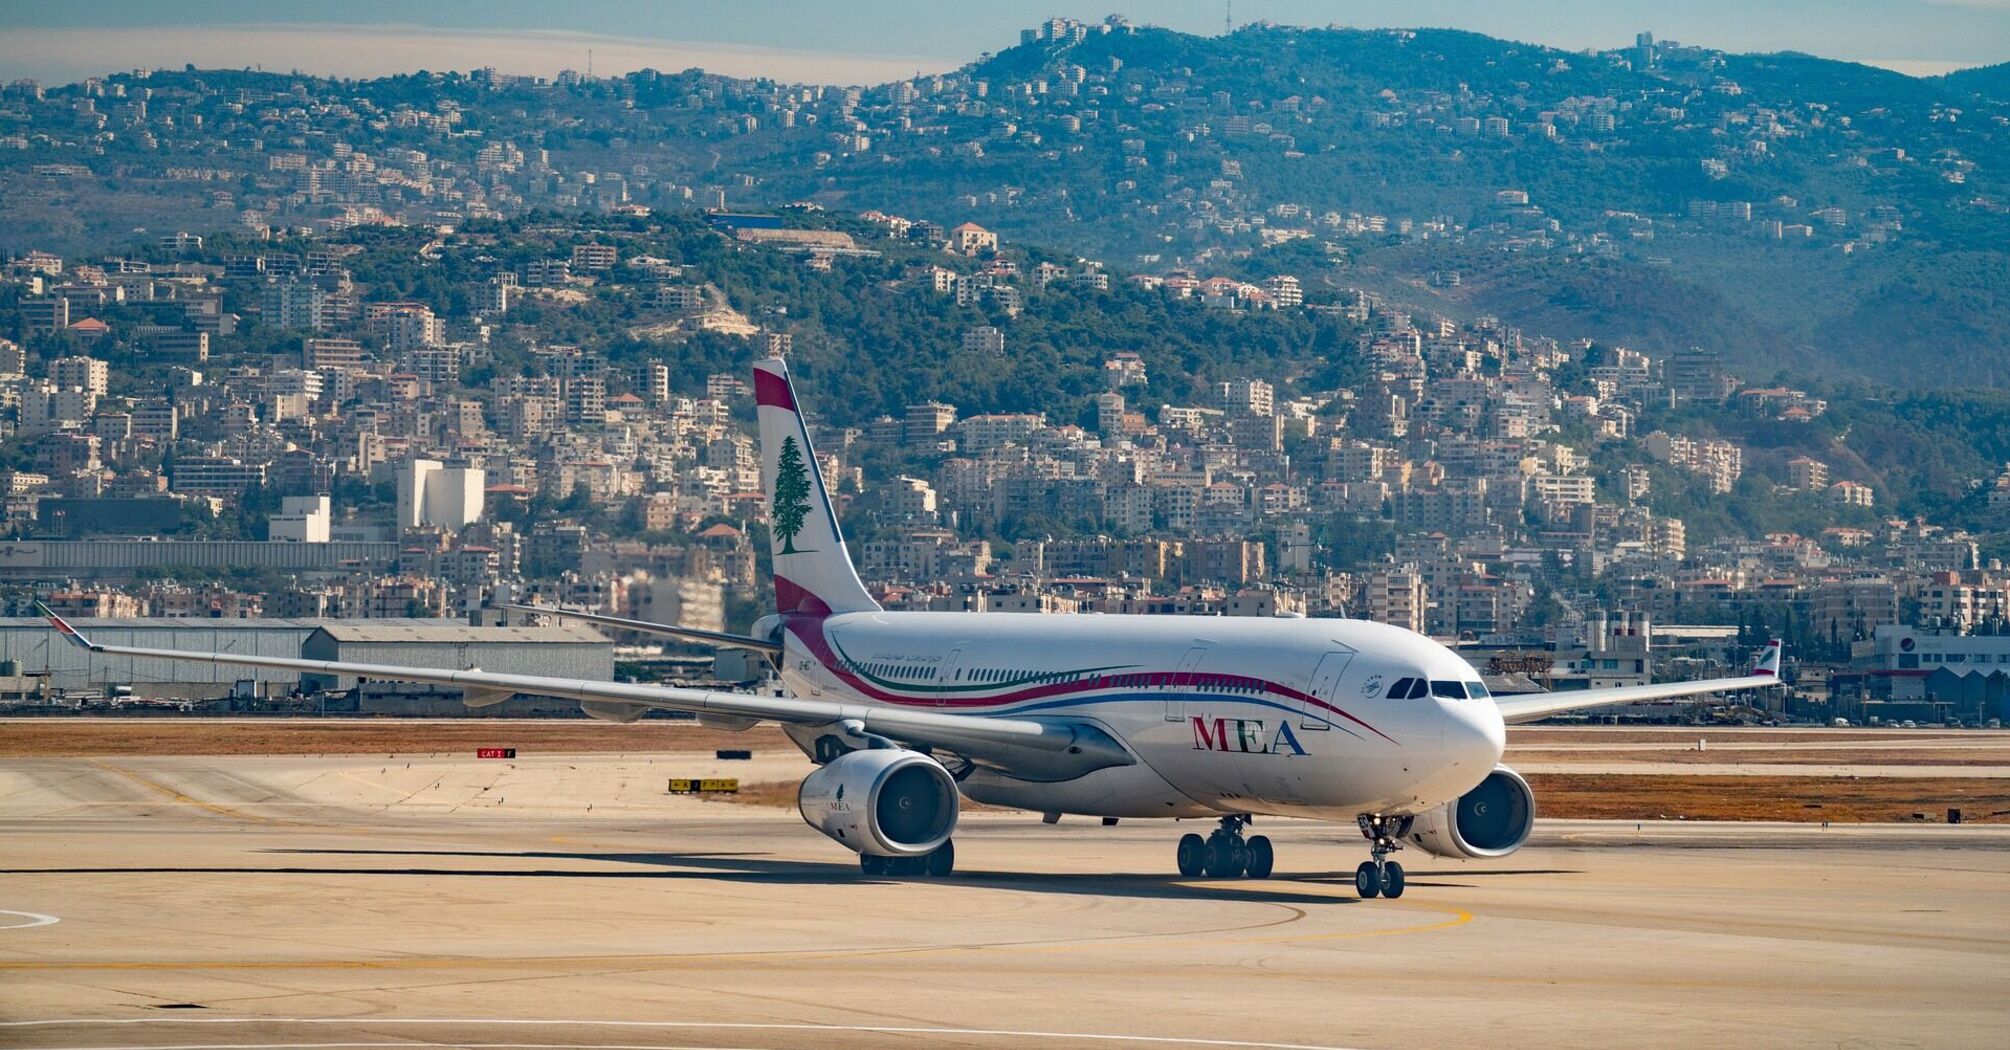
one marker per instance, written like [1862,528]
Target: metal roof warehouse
[569,651]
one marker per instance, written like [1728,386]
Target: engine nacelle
[886,802]
[1492,820]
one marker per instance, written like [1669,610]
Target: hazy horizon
[845,44]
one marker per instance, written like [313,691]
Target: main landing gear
[1380,876]
[1224,854]
[937,864]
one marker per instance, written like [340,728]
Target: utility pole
[1228,17]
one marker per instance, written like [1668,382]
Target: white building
[431,493]
[46,407]
[87,373]
[301,519]
[408,327]
[1398,597]
[1563,488]
[493,298]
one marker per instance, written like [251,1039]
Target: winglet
[1769,661]
[62,626]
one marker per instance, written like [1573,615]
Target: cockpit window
[1477,690]
[1449,690]
[1401,690]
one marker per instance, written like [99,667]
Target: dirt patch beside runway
[99,738]
[1851,800]
[1538,735]
[1575,796]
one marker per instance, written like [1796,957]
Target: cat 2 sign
[495,752]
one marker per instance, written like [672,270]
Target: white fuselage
[1224,715]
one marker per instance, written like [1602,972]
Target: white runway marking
[736,1026]
[33,918]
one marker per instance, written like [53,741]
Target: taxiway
[356,901]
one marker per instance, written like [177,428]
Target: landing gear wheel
[1392,880]
[943,860]
[1367,881]
[1261,857]
[874,865]
[1192,855]
[1218,858]
[1223,854]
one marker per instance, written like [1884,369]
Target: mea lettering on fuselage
[1244,736]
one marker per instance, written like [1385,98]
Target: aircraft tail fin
[1769,660]
[813,571]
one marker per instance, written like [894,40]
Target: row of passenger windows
[1216,682]
[973,674]
[1418,688]
[1001,674]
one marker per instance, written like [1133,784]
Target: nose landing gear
[1380,876]
[1225,854]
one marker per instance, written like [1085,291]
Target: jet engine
[1492,820]
[884,802]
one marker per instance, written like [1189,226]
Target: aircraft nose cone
[1471,738]
[1474,735]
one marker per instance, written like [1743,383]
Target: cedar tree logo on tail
[792,494]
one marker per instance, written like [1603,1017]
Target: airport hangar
[36,656]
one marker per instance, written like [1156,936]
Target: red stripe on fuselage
[810,630]
[772,391]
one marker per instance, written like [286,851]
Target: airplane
[1114,716]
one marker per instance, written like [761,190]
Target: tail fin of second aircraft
[813,571]
[1769,660]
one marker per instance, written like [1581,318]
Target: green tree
[792,492]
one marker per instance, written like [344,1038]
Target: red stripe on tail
[772,391]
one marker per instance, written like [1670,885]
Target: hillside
[1858,159]
[1987,81]
[1796,213]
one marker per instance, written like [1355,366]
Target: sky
[850,42]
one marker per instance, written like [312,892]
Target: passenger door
[1325,685]
[945,675]
[1177,690]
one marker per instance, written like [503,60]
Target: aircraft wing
[1041,749]
[1530,707]
[718,638]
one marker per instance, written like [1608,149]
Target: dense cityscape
[411,365]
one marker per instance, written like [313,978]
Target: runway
[291,901]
